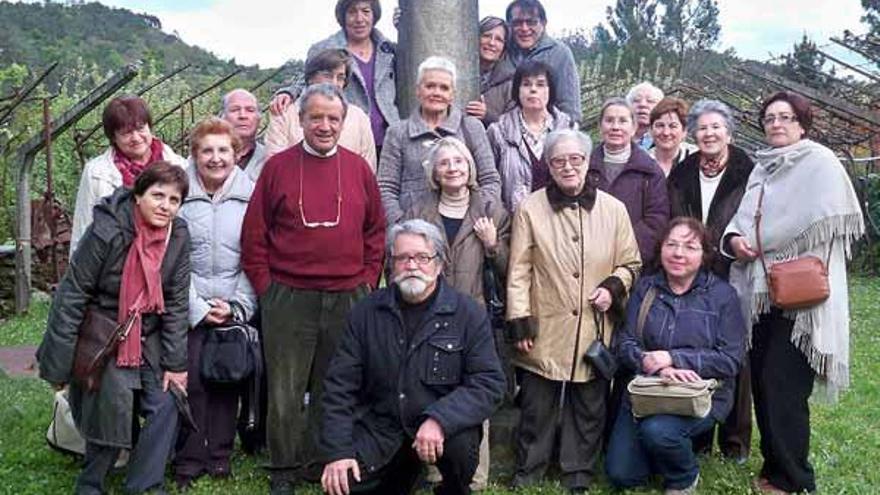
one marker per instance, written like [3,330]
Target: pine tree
[689,26]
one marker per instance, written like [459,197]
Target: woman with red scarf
[133,264]
[128,126]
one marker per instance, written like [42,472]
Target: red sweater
[276,246]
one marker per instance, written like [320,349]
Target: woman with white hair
[573,258]
[476,231]
[644,97]
[401,175]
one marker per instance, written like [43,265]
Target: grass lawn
[845,441]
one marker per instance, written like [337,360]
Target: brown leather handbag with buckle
[98,338]
[797,284]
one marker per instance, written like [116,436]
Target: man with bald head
[242,110]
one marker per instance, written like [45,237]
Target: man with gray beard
[413,378]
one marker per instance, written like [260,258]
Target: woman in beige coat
[476,231]
[573,258]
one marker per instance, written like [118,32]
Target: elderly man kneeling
[413,378]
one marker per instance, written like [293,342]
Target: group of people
[365,248]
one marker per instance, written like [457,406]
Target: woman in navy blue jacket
[694,330]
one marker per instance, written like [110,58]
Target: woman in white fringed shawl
[809,207]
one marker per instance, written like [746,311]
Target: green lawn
[845,441]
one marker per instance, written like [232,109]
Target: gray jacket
[384,76]
[255,165]
[567,79]
[215,258]
[401,173]
[512,156]
[495,89]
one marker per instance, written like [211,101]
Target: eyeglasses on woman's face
[576,160]
[782,118]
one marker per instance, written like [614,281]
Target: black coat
[378,391]
[93,278]
[685,198]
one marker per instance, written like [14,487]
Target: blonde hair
[431,161]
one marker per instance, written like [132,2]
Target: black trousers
[735,433]
[461,454]
[782,381]
[213,408]
[575,431]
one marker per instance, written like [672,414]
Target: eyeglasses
[302,211]
[559,162]
[686,248]
[458,162]
[783,118]
[530,22]
[421,259]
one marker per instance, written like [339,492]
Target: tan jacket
[557,259]
[285,131]
[464,268]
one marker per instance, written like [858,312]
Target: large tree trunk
[449,28]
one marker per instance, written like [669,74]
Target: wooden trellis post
[26,156]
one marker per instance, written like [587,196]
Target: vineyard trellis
[847,116]
[172,130]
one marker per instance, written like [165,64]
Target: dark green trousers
[301,329]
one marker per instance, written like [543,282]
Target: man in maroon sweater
[312,245]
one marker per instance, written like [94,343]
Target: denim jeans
[659,444]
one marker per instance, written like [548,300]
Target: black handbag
[598,354]
[230,354]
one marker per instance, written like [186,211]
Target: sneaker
[692,489]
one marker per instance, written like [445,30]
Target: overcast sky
[269,32]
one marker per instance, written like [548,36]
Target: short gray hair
[436,62]
[643,86]
[224,100]
[416,226]
[703,107]
[616,101]
[326,90]
[555,137]
[430,162]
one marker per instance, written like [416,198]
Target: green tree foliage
[806,65]
[872,15]
[643,36]
[689,26]
[85,35]
[91,42]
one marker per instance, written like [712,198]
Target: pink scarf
[141,288]
[129,169]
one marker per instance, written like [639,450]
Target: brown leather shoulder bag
[99,336]
[797,284]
